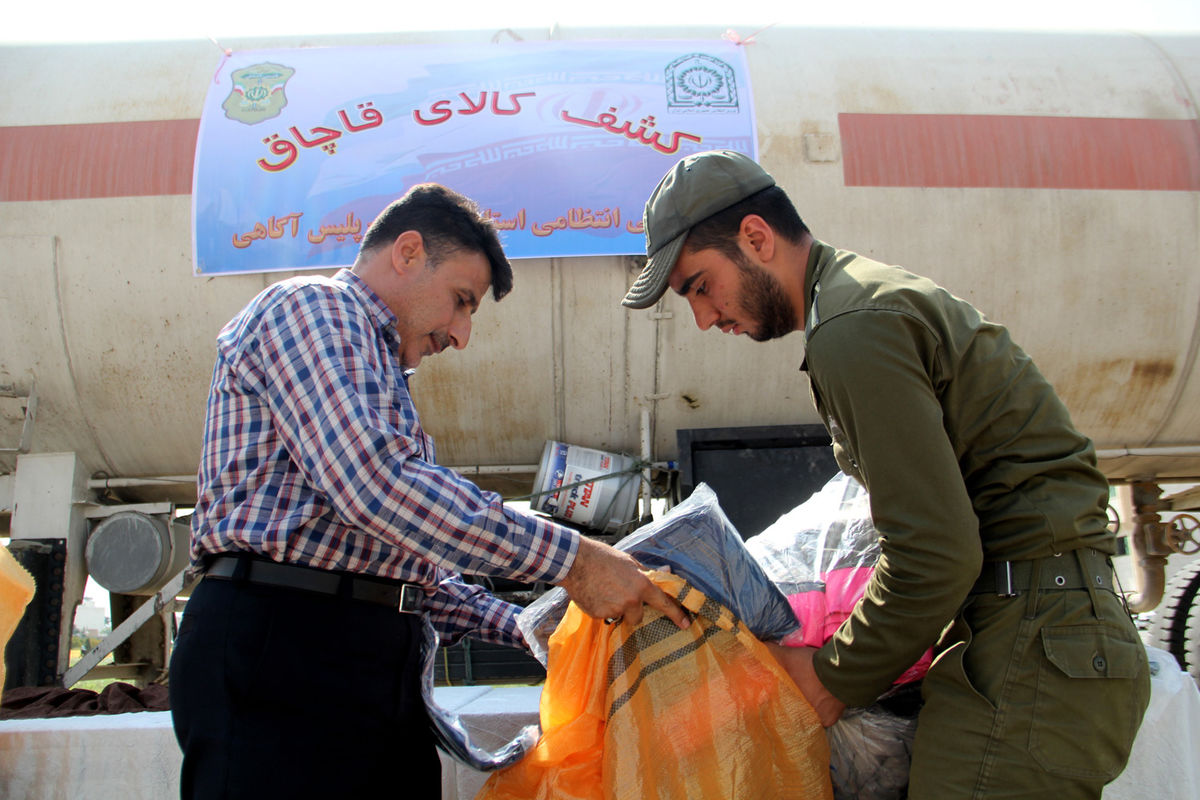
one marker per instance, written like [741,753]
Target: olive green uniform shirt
[965,449]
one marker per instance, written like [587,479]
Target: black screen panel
[758,473]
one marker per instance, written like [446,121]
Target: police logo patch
[699,82]
[257,93]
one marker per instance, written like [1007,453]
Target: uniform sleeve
[878,374]
[327,394]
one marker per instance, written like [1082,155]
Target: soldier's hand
[798,663]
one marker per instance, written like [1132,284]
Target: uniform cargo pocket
[1092,689]
[1093,651]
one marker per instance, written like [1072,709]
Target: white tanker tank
[1068,209]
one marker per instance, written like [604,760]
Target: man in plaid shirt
[326,528]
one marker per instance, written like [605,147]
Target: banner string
[226,54]
[732,35]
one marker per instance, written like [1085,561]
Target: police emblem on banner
[700,82]
[257,92]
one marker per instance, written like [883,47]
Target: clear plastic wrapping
[821,554]
[870,750]
[696,541]
[452,735]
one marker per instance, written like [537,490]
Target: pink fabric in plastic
[820,613]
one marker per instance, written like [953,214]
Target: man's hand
[608,584]
[798,663]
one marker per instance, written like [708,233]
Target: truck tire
[1176,625]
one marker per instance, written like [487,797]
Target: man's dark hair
[448,222]
[719,232]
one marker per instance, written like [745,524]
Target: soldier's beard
[761,296]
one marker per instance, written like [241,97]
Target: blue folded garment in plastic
[696,541]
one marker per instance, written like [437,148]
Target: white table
[135,757]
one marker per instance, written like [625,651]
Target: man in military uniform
[988,502]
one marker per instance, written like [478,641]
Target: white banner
[560,142]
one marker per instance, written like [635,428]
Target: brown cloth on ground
[35,702]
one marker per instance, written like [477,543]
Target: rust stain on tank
[1154,372]
[1115,392]
[475,419]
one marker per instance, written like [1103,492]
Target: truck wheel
[1176,625]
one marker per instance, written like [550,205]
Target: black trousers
[281,693]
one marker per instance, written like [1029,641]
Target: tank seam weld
[70,362]
[1194,346]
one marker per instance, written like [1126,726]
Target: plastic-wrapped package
[1163,761]
[821,554]
[696,541]
[870,749]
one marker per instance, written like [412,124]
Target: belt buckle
[1004,580]
[410,599]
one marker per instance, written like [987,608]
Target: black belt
[1077,569]
[407,598]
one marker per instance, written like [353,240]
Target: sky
[134,20]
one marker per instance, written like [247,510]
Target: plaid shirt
[313,455]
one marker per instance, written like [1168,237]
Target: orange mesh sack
[652,711]
[16,590]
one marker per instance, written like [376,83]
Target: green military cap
[697,187]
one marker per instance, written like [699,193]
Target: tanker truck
[1053,180]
